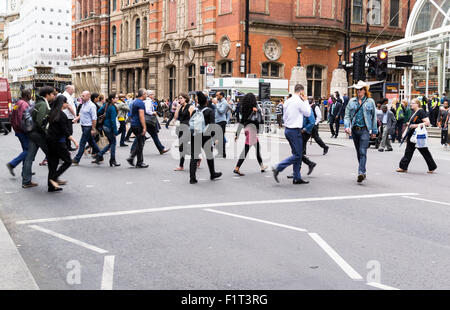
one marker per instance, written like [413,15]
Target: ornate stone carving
[191,54]
[272,49]
[171,56]
[225,47]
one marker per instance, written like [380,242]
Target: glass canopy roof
[428,15]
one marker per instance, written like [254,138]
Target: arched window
[114,40]
[172,83]
[314,76]
[138,33]
[270,69]
[191,77]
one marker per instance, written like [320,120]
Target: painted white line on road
[257,220]
[210,205]
[89,186]
[129,183]
[69,239]
[166,181]
[382,286]
[336,257]
[108,273]
[427,200]
[11,193]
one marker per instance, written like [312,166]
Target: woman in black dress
[248,106]
[183,115]
[58,132]
[419,118]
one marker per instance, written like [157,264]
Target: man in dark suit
[334,117]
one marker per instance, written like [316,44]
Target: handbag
[102,142]
[151,120]
[256,117]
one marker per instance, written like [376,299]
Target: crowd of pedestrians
[201,122]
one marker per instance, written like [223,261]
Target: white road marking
[327,174]
[69,239]
[236,178]
[336,257]
[129,183]
[257,220]
[202,179]
[108,273]
[269,176]
[210,205]
[427,200]
[382,286]
[166,181]
[10,193]
[89,186]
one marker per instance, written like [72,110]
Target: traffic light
[359,66]
[382,65]
[202,69]
[372,71]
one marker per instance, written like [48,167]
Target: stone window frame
[169,79]
[363,19]
[281,67]
[297,11]
[221,62]
[324,79]
[267,10]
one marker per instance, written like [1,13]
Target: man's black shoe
[124,145]
[311,168]
[361,177]
[275,174]
[142,166]
[389,150]
[53,189]
[193,181]
[380,150]
[11,169]
[290,176]
[130,161]
[216,175]
[325,150]
[296,182]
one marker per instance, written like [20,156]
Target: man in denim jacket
[361,122]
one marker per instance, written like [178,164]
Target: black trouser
[172,115]
[138,151]
[245,153]
[305,159]
[223,126]
[280,120]
[335,121]
[128,133]
[315,136]
[433,116]
[398,131]
[57,151]
[409,152]
[122,131]
[444,136]
[197,144]
[70,126]
[182,141]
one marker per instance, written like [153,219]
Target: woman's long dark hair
[201,98]
[249,100]
[57,108]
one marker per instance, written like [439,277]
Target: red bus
[5,103]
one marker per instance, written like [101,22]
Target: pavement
[127,228]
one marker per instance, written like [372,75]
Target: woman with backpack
[202,140]
[248,106]
[16,123]
[110,129]
[183,115]
[58,132]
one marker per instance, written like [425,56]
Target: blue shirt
[88,113]
[138,104]
[221,111]
[359,118]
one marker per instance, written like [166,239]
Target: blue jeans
[86,138]
[154,134]
[361,140]
[112,143]
[295,138]
[23,138]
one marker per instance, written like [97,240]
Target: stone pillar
[298,76]
[118,81]
[143,78]
[339,82]
[136,80]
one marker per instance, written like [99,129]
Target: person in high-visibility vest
[434,109]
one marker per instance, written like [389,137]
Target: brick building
[161,44]
[90,45]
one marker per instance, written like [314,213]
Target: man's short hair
[69,87]
[298,88]
[26,94]
[222,94]
[46,90]
[141,92]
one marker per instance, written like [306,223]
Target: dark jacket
[391,121]
[246,110]
[59,129]
[40,115]
[110,117]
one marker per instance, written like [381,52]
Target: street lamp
[340,53]
[299,51]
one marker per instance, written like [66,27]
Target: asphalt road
[124,228]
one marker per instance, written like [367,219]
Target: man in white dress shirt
[71,111]
[294,110]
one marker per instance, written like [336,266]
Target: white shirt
[71,102]
[294,109]
[149,109]
[318,114]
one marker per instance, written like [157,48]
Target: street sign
[264,91]
[210,70]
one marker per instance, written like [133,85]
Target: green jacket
[40,115]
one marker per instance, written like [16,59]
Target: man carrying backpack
[37,137]
[16,123]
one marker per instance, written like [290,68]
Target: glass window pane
[394,13]
[357,11]
[317,73]
[275,70]
[265,70]
[317,89]
[230,67]
[223,67]
[310,83]
[309,72]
